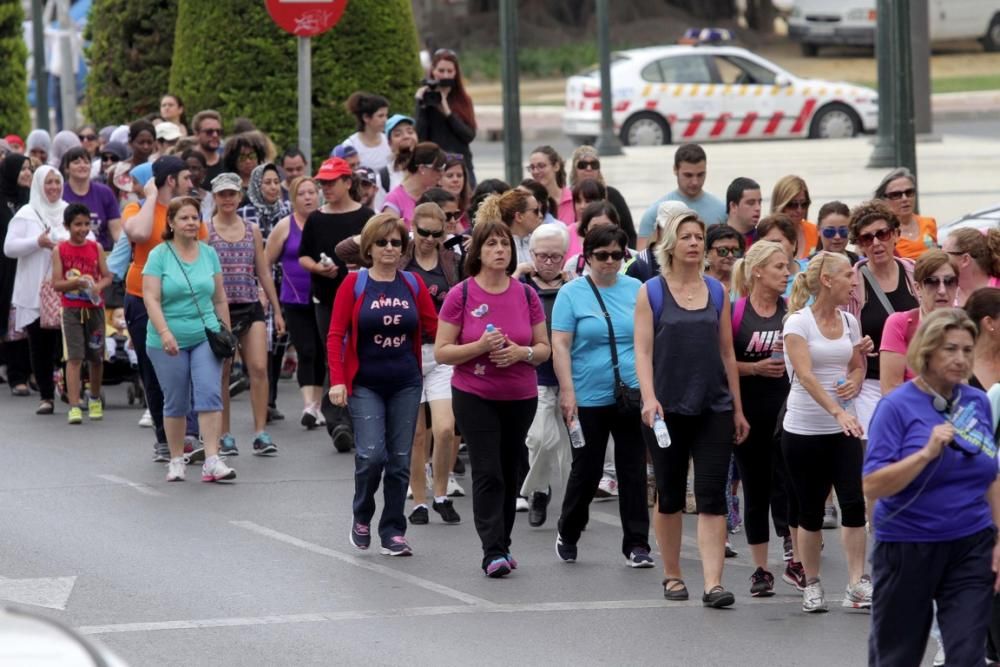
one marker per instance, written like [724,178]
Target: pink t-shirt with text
[897,333]
[514,312]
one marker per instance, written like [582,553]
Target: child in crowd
[116,332]
[80,273]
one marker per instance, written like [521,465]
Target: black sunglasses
[832,232]
[899,194]
[935,282]
[453,215]
[428,233]
[799,205]
[882,235]
[395,243]
[604,255]
[583,165]
[87,137]
[726,252]
[108,157]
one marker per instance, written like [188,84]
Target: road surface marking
[48,592]
[144,489]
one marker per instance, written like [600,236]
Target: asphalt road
[261,572]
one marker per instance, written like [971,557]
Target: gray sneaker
[161,453]
[859,596]
[829,517]
[813,599]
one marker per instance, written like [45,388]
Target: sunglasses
[453,216]
[583,165]
[935,282]
[899,194]
[395,243]
[454,157]
[87,137]
[435,167]
[726,252]
[882,235]
[546,258]
[211,131]
[428,233]
[108,157]
[833,232]
[604,255]
[800,204]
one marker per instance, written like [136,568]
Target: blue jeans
[195,373]
[384,424]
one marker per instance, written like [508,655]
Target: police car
[713,92]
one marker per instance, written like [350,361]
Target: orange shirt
[914,248]
[811,236]
[140,251]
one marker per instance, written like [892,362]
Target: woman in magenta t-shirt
[492,330]
[935,276]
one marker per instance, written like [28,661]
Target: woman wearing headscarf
[61,145]
[38,145]
[34,231]
[15,188]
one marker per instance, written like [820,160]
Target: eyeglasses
[899,194]
[536,166]
[833,232]
[435,167]
[395,243]
[211,131]
[604,255]
[935,282]
[583,165]
[868,238]
[799,204]
[87,137]
[246,157]
[108,157]
[726,252]
[454,157]
[546,258]
[428,233]
[453,216]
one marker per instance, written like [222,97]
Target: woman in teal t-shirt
[183,292]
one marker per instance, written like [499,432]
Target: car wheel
[645,129]
[834,121]
[991,41]
[809,50]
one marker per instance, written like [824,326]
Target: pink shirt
[897,333]
[514,312]
[400,202]
[567,214]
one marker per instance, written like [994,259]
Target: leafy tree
[129,58]
[15,117]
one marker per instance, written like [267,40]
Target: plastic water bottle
[575,433]
[324,259]
[661,432]
[844,403]
[778,350]
[490,328]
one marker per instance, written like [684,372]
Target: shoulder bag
[627,399]
[222,342]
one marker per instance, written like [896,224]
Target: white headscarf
[49,213]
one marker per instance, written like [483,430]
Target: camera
[432,96]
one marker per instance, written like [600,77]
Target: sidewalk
[956,175]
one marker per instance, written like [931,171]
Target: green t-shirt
[179,308]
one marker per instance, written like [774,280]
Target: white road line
[364,564]
[334,616]
[144,489]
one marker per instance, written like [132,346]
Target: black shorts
[243,315]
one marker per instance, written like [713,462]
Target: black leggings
[815,464]
[708,438]
[301,323]
[17,355]
[760,464]
[46,351]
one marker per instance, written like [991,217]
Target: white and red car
[700,93]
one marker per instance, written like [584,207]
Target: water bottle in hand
[325,260]
[490,328]
[661,432]
[845,403]
[575,432]
[778,349]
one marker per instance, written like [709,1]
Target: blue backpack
[359,285]
[654,292]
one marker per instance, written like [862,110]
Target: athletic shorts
[243,315]
[83,331]
[437,377]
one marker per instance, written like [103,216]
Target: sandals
[45,408]
[717,598]
[679,594]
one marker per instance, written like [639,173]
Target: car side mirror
[782,80]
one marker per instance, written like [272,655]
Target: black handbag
[222,342]
[628,400]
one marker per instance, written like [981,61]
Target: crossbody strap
[879,292]
[194,297]
[611,331]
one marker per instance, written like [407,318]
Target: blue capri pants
[194,370]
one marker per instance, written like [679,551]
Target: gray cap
[227,181]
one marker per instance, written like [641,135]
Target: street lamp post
[608,142]
[904,128]
[511,95]
[884,155]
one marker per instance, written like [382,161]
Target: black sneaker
[263,445]
[343,438]
[447,511]
[730,552]
[566,552]
[639,558]
[459,468]
[717,598]
[361,535]
[396,546]
[238,383]
[795,575]
[419,516]
[538,508]
[761,583]
[274,414]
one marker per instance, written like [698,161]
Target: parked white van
[816,23]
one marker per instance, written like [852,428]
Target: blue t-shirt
[387,323]
[179,309]
[577,312]
[953,501]
[709,208]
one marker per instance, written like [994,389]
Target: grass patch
[533,63]
[964,84]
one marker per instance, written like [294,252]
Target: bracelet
[531,354]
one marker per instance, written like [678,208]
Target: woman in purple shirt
[105,217]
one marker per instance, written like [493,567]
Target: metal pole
[67,73]
[904,131]
[38,56]
[305,100]
[883,155]
[921,43]
[608,142]
[511,93]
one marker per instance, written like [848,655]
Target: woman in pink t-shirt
[423,172]
[492,330]
[936,278]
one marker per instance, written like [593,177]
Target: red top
[79,261]
[342,348]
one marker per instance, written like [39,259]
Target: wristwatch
[531,354]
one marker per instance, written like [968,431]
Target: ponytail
[489,210]
[741,279]
[800,293]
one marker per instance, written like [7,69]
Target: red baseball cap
[15,141]
[332,169]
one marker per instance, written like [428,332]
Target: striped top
[239,270]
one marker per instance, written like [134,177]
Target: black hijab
[12,196]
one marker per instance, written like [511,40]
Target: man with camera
[444,111]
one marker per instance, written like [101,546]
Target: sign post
[305,19]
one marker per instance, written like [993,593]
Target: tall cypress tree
[229,56]
[129,57]
[15,117]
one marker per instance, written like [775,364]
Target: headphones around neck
[942,404]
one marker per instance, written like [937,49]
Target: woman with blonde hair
[686,367]
[791,197]
[978,256]
[821,439]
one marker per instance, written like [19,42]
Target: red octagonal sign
[306,18]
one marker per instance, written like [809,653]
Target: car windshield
[594,71]
[740,71]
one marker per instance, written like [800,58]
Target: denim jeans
[193,375]
[384,423]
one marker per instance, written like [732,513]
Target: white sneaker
[429,477]
[813,598]
[522,504]
[146,420]
[318,412]
[606,489]
[175,470]
[455,489]
[216,470]
[409,493]
[859,596]
[939,659]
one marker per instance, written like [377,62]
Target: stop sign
[306,18]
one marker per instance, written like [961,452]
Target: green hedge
[131,43]
[15,116]
[251,71]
